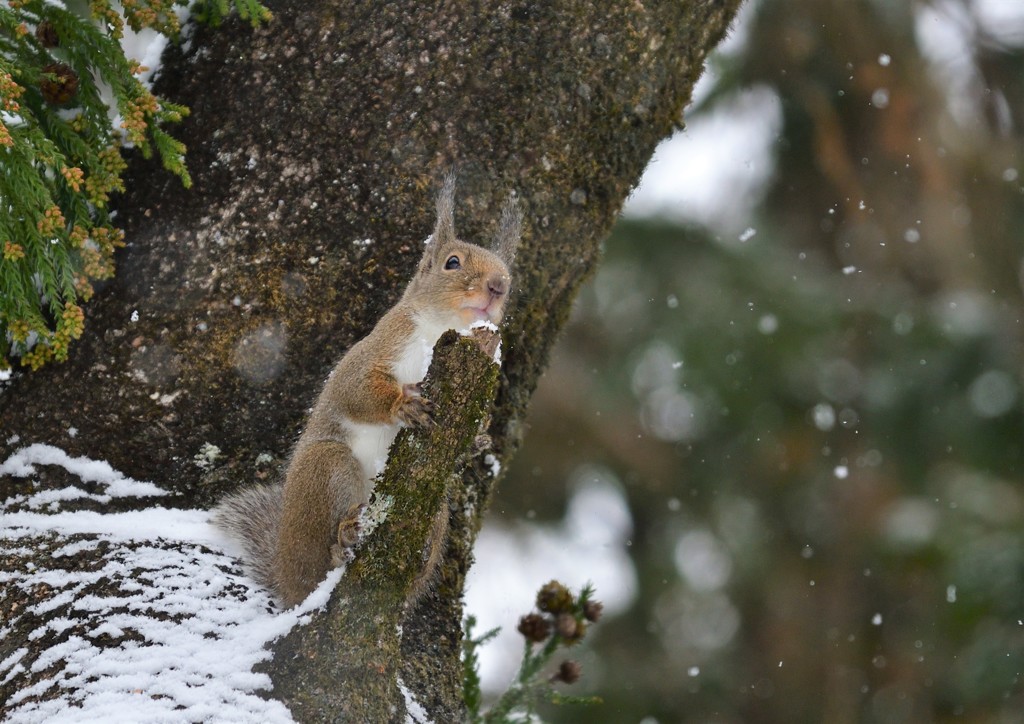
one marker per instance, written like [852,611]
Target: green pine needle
[62,157]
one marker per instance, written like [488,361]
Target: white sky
[712,172]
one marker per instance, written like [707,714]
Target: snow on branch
[130,616]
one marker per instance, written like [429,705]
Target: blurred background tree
[809,404]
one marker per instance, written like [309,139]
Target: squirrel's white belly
[370,443]
[414,361]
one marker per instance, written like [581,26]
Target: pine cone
[569,628]
[569,672]
[46,34]
[553,597]
[534,627]
[592,610]
[61,87]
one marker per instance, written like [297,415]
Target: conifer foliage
[70,100]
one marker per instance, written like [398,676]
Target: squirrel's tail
[252,516]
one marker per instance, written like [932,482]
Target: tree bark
[316,145]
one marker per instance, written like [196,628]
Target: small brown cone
[569,628]
[569,672]
[534,627]
[592,611]
[46,34]
[60,86]
[555,598]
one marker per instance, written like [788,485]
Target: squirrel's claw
[415,410]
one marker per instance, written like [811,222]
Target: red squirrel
[294,532]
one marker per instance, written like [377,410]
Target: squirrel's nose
[497,286]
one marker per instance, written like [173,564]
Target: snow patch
[489,326]
[494,464]
[22,464]
[153,621]
[414,711]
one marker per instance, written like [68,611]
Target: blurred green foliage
[819,430]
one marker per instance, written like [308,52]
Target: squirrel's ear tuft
[510,229]
[444,229]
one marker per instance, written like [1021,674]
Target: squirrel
[293,532]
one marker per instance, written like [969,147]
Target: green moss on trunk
[344,665]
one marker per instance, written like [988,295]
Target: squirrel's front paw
[415,409]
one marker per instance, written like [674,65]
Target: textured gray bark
[316,145]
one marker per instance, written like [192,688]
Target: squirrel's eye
[453,263]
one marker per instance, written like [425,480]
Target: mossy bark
[316,144]
[345,665]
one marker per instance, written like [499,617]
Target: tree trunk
[316,145]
